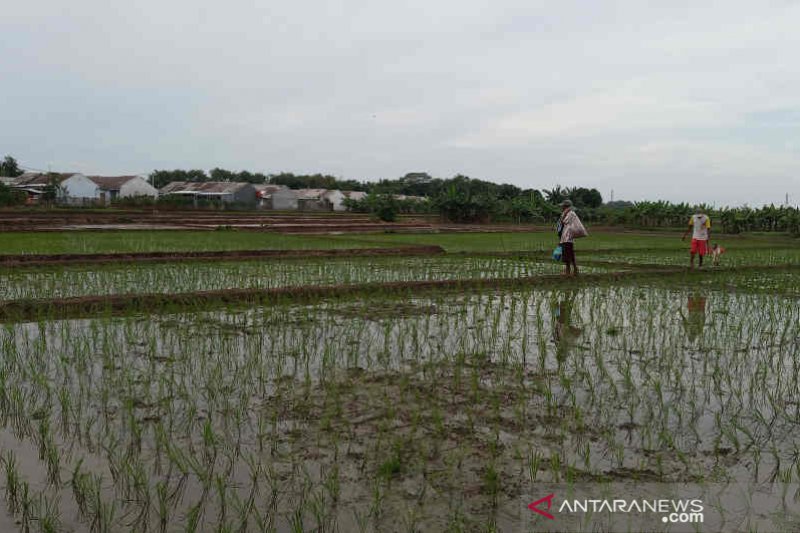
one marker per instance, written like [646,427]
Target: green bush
[10,197]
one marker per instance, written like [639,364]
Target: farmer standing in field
[700,226]
[569,228]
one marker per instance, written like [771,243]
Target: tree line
[663,214]
[159,178]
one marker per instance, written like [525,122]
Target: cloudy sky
[690,101]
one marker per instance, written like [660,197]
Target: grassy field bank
[167,241]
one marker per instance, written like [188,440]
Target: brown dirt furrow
[153,257]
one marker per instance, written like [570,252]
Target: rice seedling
[24,283]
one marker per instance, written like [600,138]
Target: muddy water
[400,415]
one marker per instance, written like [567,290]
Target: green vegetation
[18,283]
[544,240]
[9,167]
[537,240]
[742,255]
[10,197]
[313,181]
[386,207]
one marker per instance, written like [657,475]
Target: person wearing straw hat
[569,228]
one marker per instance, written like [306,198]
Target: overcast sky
[689,101]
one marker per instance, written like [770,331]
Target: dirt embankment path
[234,255]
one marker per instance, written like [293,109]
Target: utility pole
[612,195]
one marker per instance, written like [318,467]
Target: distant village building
[336,199]
[312,200]
[355,195]
[266,192]
[78,189]
[284,200]
[223,192]
[281,198]
[320,200]
[71,188]
[113,187]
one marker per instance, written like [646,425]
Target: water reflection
[694,322]
[565,316]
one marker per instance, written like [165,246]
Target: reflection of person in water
[695,319]
[564,332]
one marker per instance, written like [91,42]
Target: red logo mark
[535,506]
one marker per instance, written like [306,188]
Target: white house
[112,187]
[336,199]
[73,189]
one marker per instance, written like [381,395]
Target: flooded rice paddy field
[733,257]
[425,413]
[18,283]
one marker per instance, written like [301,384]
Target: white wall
[284,199]
[336,198]
[78,189]
[137,187]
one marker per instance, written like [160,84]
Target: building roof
[355,195]
[204,187]
[268,187]
[265,190]
[310,194]
[39,178]
[111,183]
